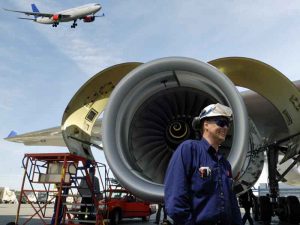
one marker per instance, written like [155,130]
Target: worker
[88,211]
[161,206]
[246,201]
[58,205]
[198,180]
[60,198]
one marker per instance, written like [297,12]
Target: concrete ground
[8,214]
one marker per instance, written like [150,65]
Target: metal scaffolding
[56,178]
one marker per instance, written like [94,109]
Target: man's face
[217,128]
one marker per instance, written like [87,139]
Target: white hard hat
[215,110]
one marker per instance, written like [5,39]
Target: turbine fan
[160,125]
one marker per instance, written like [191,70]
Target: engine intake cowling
[150,112]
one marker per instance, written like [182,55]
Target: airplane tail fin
[34,9]
[12,134]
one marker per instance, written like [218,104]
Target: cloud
[89,56]
[9,96]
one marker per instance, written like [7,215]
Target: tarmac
[8,214]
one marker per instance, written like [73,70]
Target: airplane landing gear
[262,209]
[54,24]
[74,24]
[286,208]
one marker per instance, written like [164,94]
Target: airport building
[284,190]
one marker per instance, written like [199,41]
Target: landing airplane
[148,111]
[85,12]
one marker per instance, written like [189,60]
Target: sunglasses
[221,122]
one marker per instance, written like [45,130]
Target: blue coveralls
[194,200]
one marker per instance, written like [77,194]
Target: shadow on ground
[7,219]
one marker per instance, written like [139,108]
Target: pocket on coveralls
[204,186]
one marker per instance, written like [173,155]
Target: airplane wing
[46,137]
[52,137]
[22,18]
[37,13]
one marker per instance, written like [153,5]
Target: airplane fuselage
[75,13]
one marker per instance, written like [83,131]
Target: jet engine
[88,19]
[56,17]
[148,111]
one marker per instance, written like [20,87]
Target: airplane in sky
[85,12]
[146,111]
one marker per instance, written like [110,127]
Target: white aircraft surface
[85,12]
[148,111]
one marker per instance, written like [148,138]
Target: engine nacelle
[150,112]
[56,17]
[88,19]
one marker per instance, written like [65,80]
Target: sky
[42,67]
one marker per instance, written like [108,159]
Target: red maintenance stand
[55,178]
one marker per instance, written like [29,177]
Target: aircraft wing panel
[38,13]
[52,136]
[46,137]
[22,18]
[31,13]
